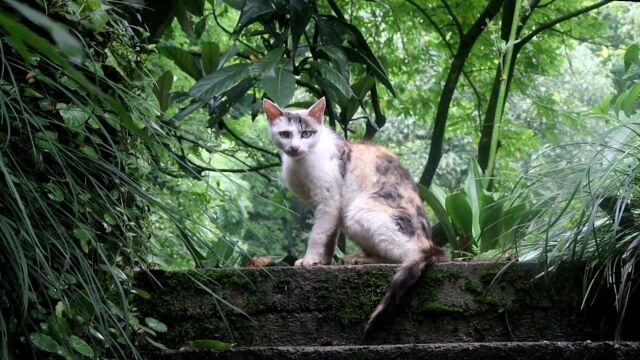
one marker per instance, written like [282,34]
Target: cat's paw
[309,262]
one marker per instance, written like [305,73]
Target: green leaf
[210,56]
[438,208]
[267,63]
[155,324]
[85,234]
[631,56]
[460,212]
[210,344]
[474,186]
[219,81]
[630,100]
[338,60]
[200,27]
[161,89]
[55,192]
[183,59]
[143,294]
[80,346]
[333,78]
[279,84]
[44,342]
[299,16]
[492,225]
[253,11]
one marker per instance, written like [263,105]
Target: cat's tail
[407,275]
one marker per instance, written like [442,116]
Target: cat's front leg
[322,241]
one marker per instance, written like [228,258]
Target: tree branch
[246,143]
[446,42]
[548,25]
[457,66]
[453,17]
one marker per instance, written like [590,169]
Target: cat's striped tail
[407,275]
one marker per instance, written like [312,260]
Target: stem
[503,90]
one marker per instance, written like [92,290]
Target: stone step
[448,351]
[453,302]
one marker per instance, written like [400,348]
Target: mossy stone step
[450,351]
[453,302]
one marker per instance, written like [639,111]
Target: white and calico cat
[360,188]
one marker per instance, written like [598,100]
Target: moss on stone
[434,308]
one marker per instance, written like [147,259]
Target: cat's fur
[360,188]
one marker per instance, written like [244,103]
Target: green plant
[73,127]
[474,220]
[588,199]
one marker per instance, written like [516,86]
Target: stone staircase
[456,311]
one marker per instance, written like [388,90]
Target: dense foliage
[132,137]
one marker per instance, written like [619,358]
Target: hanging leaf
[161,89]
[183,59]
[253,11]
[210,56]
[338,60]
[279,84]
[299,16]
[437,206]
[200,27]
[219,81]
[333,78]
[267,63]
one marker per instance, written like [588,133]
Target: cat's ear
[272,110]
[316,111]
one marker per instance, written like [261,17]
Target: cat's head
[296,133]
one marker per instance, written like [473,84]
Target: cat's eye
[307,134]
[285,134]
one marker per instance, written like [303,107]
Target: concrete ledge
[458,351]
[453,302]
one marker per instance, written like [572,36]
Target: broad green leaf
[333,78]
[460,212]
[161,89]
[44,342]
[220,81]
[210,344]
[267,63]
[279,84]
[210,56]
[474,188]
[360,88]
[299,16]
[253,11]
[155,324]
[631,56]
[492,225]
[183,59]
[438,208]
[80,346]
[338,60]
[200,27]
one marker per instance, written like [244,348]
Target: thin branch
[215,18]
[453,17]
[548,25]
[446,42]
[246,143]
[583,40]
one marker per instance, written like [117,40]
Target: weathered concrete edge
[493,351]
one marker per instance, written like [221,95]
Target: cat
[360,188]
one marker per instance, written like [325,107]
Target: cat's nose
[295,147]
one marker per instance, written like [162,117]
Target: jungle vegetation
[132,137]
